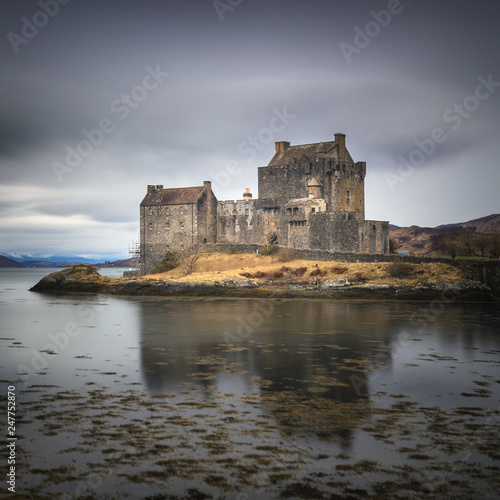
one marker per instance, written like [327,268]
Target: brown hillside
[418,240]
[488,224]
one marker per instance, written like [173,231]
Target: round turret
[315,188]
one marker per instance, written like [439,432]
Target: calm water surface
[210,398]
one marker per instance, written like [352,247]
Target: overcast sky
[101,97]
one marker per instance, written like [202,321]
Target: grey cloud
[225,80]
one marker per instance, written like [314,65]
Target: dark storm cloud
[226,79]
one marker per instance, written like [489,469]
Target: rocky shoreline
[84,278]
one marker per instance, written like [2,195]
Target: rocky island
[264,277]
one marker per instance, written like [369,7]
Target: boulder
[77,278]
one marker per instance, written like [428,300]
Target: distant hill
[6,262]
[132,262]
[50,263]
[418,240]
[488,224]
[47,263]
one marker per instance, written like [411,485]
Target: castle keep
[310,197]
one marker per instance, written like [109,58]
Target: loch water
[151,397]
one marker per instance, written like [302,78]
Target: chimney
[340,140]
[247,195]
[281,146]
[151,189]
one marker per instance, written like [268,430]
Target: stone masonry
[310,197]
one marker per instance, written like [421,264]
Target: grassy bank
[277,268]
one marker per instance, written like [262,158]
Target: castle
[310,197]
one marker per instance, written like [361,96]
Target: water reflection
[303,362]
[249,394]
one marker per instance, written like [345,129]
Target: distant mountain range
[6,262]
[9,262]
[418,240]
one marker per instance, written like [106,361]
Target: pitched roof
[314,182]
[300,202]
[174,196]
[181,196]
[308,150]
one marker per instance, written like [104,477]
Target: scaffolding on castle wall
[134,251]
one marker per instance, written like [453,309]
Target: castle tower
[211,214]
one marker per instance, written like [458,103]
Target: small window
[235,212]
[182,210]
[313,210]
[258,211]
[150,211]
[182,247]
[182,225]
[296,211]
[167,211]
[167,225]
[289,211]
[247,211]
[150,225]
[348,198]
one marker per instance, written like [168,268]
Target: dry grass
[217,266]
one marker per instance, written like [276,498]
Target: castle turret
[247,195]
[315,188]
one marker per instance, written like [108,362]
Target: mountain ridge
[419,240]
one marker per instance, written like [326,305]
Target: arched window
[289,211]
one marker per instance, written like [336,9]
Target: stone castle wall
[311,202]
[165,228]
